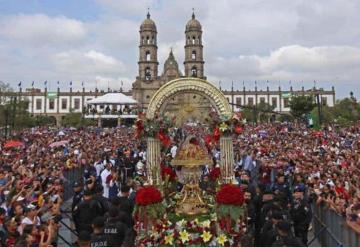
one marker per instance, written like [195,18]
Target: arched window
[193,55]
[147,74]
[188,39]
[199,39]
[194,71]
[147,56]
[193,40]
[147,40]
[142,40]
[152,40]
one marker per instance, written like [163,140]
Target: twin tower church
[149,80]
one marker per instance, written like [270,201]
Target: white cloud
[87,63]
[41,30]
[297,63]
[259,40]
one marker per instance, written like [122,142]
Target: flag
[19,85]
[70,83]
[82,84]
[32,84]
[45,83]
[122,83]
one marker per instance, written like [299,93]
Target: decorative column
[227,159]
[153,161]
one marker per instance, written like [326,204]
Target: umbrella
[13,144]
[58,144]
[61,133]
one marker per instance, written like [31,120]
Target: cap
[99,222]
[283,226]
[299,188]
[276,215]
[77,184]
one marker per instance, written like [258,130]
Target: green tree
[262,112]
[301,105]
[75,119]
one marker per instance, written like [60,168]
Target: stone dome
[148,24]
[193,24]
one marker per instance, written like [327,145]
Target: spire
[193,13]
[148,13]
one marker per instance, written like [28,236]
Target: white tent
[112,99]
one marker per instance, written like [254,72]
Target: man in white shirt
[104,174]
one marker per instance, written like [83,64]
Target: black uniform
[98,240]
[287,241]
[115,232]
[301,216]
[75,202]
[84,213]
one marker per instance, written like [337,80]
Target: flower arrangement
[158,127]
[149,205]
[214,174]
[230,207]
[196,232]
[168,174]
[224,125]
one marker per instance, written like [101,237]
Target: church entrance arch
[218,101]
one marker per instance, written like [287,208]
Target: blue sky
[96,41]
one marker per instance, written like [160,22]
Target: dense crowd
[284,169]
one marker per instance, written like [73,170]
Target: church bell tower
[194,61]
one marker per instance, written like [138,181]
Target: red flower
[214,174]
[148,195]
[167,171]
[231,195]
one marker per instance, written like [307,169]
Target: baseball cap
[283,226]
[76,184]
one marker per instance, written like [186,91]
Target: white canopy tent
[113,99]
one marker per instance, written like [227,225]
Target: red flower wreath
[214,174]
[231,195]
[148,195]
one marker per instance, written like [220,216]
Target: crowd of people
[284,170]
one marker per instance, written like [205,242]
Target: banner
[51,95]
[286,95]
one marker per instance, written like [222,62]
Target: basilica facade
[149,80]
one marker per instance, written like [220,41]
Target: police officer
[77,198]
[85,212]
[284,236]
[301,214]
[114,229]
[98,238]
[268,232]
[103,202]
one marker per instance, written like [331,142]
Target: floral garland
[223,125]
[158,127]
[197,232]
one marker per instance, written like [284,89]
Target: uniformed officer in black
[114,229]
[86,211]
[285,237]
[268,232]
[98,238]
[301,214]
[77,198]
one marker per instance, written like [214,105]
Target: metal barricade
[332,230]
[71,176]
